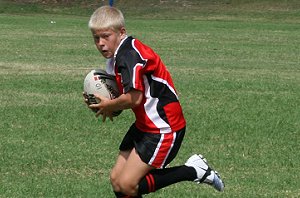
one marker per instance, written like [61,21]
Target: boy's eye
[102,36]
[105,36]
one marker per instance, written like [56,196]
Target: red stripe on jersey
[119,81]
[163,149]
[137,77]
[148,55]
[174,114]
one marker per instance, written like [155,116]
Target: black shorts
[157,150]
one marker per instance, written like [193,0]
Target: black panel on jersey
[163,94]
[127,58]
[161,91]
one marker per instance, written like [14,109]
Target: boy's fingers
[103,118]
[99,113]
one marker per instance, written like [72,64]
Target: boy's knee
[127,187]
[113,181]
[123,184]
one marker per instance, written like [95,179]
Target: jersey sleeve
[130,66]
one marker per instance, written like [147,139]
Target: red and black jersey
[137,66]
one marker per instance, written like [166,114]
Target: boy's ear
[123,32]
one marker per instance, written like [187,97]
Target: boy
[153,141]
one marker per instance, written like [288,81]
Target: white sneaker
[204,173]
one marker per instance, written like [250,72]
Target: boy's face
[107,41]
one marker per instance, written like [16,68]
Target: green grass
[236,69]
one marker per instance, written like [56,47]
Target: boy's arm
[128,100]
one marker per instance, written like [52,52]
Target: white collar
[122,41]
[110,63]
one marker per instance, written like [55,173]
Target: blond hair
[107,17]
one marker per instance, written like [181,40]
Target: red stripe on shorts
[163,149]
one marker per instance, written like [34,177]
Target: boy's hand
[102,108]
[89,100]
[85,96]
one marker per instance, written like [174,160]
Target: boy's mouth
[105,53]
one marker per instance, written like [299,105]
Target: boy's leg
[161,149]
[130,175]
[117,169]
[125,148]
[160,178]
[195,169]
[135,178]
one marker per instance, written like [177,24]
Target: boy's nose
[100,42]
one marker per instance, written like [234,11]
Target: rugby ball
[99,82]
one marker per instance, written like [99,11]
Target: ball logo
[98,86]
[114,93]
[99,82]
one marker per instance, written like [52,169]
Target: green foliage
[246,10]
[236,69]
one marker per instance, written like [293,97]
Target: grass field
[236,67]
